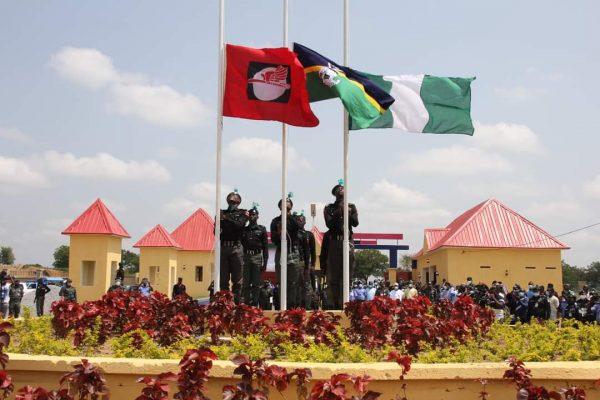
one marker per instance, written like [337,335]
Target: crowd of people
[518,304]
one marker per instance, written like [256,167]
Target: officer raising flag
[256,255]
[233,220]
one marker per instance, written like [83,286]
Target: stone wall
[424,381]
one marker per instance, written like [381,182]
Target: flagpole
[346,247]
[283,253]
[217,265]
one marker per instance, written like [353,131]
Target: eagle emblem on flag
[268,82]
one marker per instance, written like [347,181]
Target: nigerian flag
[424,104]
[364,99]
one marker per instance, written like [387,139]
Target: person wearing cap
[118,285]
[120,273]
[308,258]
[41,290]
[334,219]
[4,299]
[233,221]
[15,295]
[256,255]
[68,292]
[293,256]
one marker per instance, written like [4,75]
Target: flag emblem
[269,82]
[329,76]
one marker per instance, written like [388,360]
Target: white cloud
[104,166]
[84,66]
[455,160]
[518,93]
[158,104]
[14,135]
[507,137]
[396,208]
[592,188]
[129,94]
[262,155]
[555,210]
[198,195]
[14,171]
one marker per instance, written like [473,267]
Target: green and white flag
[425,104]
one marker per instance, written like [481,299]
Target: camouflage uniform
[293,257]
[256,255]
[232,226]
[334,219]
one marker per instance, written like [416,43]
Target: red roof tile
[196,233]
[97,219]
[433,236]
[157,237]
[491,224]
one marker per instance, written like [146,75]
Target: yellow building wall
[187,261]
[434,262]
[540,266]
[159,265]
[104,252]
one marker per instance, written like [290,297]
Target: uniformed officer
[256,254]
[293,257]
[233,221]
[68,291]
[308,258]
[334,219]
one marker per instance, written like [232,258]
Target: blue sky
[117,100]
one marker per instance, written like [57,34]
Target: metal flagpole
[217,268]
[346,247]
[284,150]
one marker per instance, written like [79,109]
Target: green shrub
[36,336]
[123,346]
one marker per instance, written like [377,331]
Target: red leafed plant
[294,322]
[526,390]
[322,326]
[86,380]
[39,393]
[247,320]
[371,322]
[66,316]
[6,385]
[157,388]
[193,373]
[404,362]
[335,389]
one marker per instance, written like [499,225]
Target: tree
[406,262]
[572,275]
[130,260]
[370,262]
[61,257]
[592,274]
[7,256]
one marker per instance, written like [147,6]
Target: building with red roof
[490,242]
[95,241]
[185,253]
[158,258]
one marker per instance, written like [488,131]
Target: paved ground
[50,297]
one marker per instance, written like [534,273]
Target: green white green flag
[424,104]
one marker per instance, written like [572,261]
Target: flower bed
[460,332]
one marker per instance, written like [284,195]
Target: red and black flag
[266,84]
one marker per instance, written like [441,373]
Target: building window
[550,267]
[153,271]
[529,267]
[199,273]
[485,267]
[87,273]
